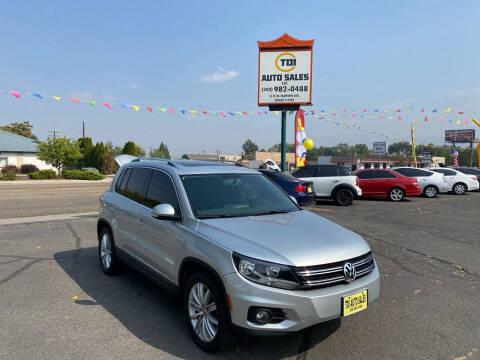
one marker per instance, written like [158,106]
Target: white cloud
[135,86]
[81,94]
[220,75]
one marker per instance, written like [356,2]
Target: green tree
[87,150]
[115,150]
[129,148]
[249,147]
[400,148]
[22,129]
[140,152]
[277,148]
[185,157]
[59,151]
[161,152]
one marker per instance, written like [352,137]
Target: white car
[331,181]
[431,183]
[457,182]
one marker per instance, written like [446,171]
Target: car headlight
[265,273]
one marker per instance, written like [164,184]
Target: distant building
[228,157]
[19,150]
[371,162]
[261,156]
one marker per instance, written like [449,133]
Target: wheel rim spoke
[201,310]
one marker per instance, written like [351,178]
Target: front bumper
[359,190]
[303,308]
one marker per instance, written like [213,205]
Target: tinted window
[281,176]
[364,174]
[136,184]
[119,179]
[470,171]
[344,171]
[445,172]
[123,184]
[412,172]
[304,172]
[380,174]
[161,191]
[326,171]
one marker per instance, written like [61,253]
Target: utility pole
[83,130]
[55,132]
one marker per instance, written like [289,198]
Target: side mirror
[294,200]
[164,212]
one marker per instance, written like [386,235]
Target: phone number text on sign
[285,77]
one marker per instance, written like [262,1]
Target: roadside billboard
[379,148]
[462,135]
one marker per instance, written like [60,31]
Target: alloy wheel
[396,194]
[459,189]
[202,310]
[431,192]
[106,251]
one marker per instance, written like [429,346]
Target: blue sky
[367,54]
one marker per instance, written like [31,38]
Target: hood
[299,238]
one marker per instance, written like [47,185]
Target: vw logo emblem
[349,271]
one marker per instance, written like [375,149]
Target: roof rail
[230,162]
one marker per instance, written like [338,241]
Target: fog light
[263,316]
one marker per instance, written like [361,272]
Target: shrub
[28,168]
[9,172]
[42,174]
[82,175]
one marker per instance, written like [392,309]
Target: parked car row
[341,185]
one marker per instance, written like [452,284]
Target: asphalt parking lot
[55,302]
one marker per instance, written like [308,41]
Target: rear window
[122,183]
[281,176]
[344,171]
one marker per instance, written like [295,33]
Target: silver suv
[234,246]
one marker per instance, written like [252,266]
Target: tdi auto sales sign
[285,74]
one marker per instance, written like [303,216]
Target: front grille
[329,274]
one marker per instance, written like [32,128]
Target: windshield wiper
[271,212]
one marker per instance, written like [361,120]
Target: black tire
[459,189]
[109,267]
[343,197]
[396,194]
[430,191]
[223,334]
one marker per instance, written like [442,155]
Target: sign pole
[284,141]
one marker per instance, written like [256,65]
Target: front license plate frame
[357,308]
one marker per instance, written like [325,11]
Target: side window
[380,174]
[403,171]
[119,179]
[120,188]
[136,184]
[364,175]
[326,171]
[304,172]
[161,191]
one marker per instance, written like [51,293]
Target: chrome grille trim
[329,274]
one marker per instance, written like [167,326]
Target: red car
[387,183]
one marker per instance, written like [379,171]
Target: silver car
[234,246]
[431,183]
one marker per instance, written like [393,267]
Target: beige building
[261,156]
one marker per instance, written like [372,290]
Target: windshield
[231,195]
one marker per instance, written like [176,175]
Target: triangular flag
[56,98]
[461,112]
[204,112]
[93,102]
[123,106]
[148,108]
[448,109]
[426,119]
[183,111]
[171,111]
[162,109]
[135,107]
[423,110]
[15,93]
[38,96]
[458,121]
[75,100]
[434,110]
[193,111]
[107,105]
